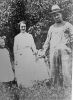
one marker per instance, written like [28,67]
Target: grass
[38,92]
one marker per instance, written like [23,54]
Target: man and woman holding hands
[29,62]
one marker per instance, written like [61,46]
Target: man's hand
[41,53]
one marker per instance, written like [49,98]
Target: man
[59,40]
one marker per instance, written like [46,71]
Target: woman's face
[23,27]
[57,17]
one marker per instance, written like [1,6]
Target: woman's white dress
[27,69]
[6,73]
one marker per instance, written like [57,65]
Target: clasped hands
[40,54]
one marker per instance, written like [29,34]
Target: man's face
[57,17]
[23,27]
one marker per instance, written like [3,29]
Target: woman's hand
[41,53]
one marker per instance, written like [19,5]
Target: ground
[38,92]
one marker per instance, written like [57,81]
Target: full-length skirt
[6,73]
[28,70]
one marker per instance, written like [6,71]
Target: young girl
[6,73]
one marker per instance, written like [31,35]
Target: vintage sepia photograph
[36,49]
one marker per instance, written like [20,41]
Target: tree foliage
[34,12]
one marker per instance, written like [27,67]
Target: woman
[6,73]
[59,39]
[26,67]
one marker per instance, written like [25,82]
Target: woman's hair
[22,22]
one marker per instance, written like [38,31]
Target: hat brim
[55,11]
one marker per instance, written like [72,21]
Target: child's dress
[6,73]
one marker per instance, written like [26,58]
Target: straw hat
[55,8]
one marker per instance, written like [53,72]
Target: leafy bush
[33,12]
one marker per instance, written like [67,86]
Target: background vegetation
[34,12]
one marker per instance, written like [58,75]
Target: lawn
[40,91]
